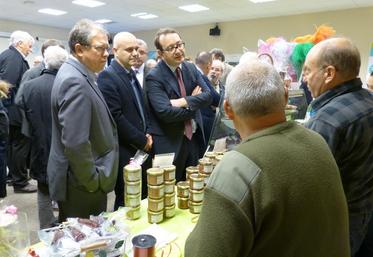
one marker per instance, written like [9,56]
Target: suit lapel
[84,72]
[171,78]
[123,76]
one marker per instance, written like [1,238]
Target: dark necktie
[188,131]
[138,94]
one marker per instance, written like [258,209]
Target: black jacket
[37,103]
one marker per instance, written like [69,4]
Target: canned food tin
[196,182]
[155,205]
[196,195]
[205,177]
[169,173]
[169,199]
[205,166]
[155,192]
[132,200]
[169,186]
[132,188]
[169,211]
[191,170]
[183,189]
[195,207]
[132,172]
[155,217]
[133,213]
[155,176]
[182,202]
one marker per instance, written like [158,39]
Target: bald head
[329,64]
[123,37]
[125,48]
[340,53]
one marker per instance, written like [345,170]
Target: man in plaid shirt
[342,112]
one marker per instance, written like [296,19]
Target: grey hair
[248,57]
[20,36]
[82,33]
[54,57]
[255,89]
[142,43]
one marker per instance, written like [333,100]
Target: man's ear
[160,53]
[79,49]
[228,110]
[330,73]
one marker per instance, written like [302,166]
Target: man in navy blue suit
[124,96]
[176,92]
[203,62]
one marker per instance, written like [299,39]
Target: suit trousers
[3,175]
[18,156]
[81,203]
[187,156]
[46,216]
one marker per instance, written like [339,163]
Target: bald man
[123,95]
[342,112]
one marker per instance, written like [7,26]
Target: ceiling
[167,11]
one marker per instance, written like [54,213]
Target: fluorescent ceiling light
[261,1]
[88,3]
[194,8]
[148,16]
[138,14]
[103,21]
[52,11]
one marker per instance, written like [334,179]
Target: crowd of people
[73,121]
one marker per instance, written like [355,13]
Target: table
[182,224]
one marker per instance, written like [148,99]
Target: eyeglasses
[174,47]
[100,48]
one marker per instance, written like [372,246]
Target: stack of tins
[155,195]
[190,192]
[132,190]
[169,191]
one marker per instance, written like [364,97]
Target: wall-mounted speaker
[215,31]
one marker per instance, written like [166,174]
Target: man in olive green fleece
[279,193]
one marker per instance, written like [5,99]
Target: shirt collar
[140,69]
[172,68]
[91,75]
[326,97]
[24,56]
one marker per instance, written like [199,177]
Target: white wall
[355,24]
[43,32]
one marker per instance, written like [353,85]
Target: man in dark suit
[83,160]
[12,67]
[140,68]
[124,96]
[203,63]
[36,100]
[176,92]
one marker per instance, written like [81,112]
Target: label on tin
[197,185]
[159,180]
[156,218]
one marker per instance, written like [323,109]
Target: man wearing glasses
[176,93]
[83,160]
[342,112]
[124,96]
